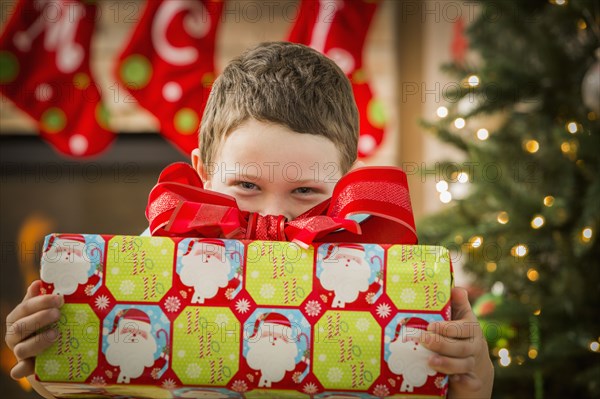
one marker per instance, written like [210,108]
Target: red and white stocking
[338,28]
[168,66]
[44,70]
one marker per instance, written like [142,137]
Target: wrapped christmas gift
[151,317]
[221,302]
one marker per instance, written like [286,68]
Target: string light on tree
[594,346]
[445,197]
[569,148]
[442,112]
[473,80]
[532,353]
[502,217]
[483,134]
[504,357]
[491,267]
[533,274]
[537,221]
[548,201]
[441,186]
[459,123]
[476,241]
[519,250]
[586,234]
[572,127]
[462,177]
[531,146]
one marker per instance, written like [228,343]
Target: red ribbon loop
[179,206]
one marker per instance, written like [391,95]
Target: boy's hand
[34,312]
[461,351]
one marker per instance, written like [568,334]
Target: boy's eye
[304,190]
[247,185]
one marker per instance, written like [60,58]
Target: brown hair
[285,83]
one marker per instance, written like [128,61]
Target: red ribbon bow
[179,206]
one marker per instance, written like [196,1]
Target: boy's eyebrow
[251,176]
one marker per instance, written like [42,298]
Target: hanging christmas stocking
[44,70]
[168,66]
[338,28]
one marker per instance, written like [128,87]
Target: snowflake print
[193,370]
[127,287]
[229,293]
[51,367]
[81,317]
[335,374]
[242,305]
[169,384]
[383,310]
[98,381]
[101,302]
[313,308]
[172,304]
[362,324]
[267,291]
[381,390]
[239,386]
[440,381]
[408,295]
[89,290]
[221,319]
[310,388]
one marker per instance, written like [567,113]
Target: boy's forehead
[257,146]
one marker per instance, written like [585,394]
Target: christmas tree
[523,206]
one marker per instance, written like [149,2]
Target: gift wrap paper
[158,317]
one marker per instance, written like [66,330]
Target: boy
[277,105]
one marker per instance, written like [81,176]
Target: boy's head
[287,84]
[279,130]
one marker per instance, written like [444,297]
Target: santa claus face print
[346,273]
[65,264]
[407,357]
[274,344]
[133,340]
[206,268]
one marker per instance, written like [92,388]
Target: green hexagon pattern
[347,350]
[279,273]
[74,355]
[418,277]
[207,342]
[139,268]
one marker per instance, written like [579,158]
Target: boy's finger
[22,369]
[32,305]
[35,345]
[461,308]
[446,346]
[27,326]
[33,290]
[456,329]
[452,365]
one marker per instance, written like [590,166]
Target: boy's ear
[357,164]
[199,166]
